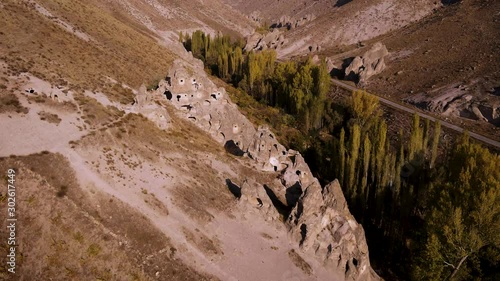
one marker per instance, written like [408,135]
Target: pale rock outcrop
[323,226]
[371,63]
[210,109]
[290,22]
[144,104]
[265,149]
[461,101]
[331,234]
[260,42]
[330,65]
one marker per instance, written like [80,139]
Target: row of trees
[299,88]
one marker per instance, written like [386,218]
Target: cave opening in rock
[341,3]
[449,2]
[168,95]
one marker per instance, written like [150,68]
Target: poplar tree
[353,157]
[342,157]
[435,143]
[380,152]
[416,137]
[367,150]
[426,136]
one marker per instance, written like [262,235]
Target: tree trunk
[455,271]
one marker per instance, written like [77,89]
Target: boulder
[253,41]
[271,40]
[371,63]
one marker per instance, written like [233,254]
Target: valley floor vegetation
[430,211]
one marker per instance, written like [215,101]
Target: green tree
[435,143]
[367,150]
[353,158]
[365,109]
[466,215]
[416,138]
[342,157]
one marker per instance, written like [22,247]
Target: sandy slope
[216,237]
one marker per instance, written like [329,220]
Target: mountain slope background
[130,201]
[102,192]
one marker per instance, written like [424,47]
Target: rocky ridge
[319,223]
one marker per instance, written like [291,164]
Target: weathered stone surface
[371,63]
[260,42]
[323,226]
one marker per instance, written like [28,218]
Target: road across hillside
[412,111]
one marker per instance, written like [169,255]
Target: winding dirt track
[423,115]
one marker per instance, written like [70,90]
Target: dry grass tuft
[10,103]
[95,114]
[202,242]
[300,262]
[49,117]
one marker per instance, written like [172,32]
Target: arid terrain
[131,163]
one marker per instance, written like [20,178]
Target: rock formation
[459,100]
[320,222]
[322,225]
[290,22]
[271,40]
[143,104]
[371,63]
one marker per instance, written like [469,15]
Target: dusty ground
[96,181]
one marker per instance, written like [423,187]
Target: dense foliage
[426,219]
[428,214]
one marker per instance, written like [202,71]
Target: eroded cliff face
[318,220]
